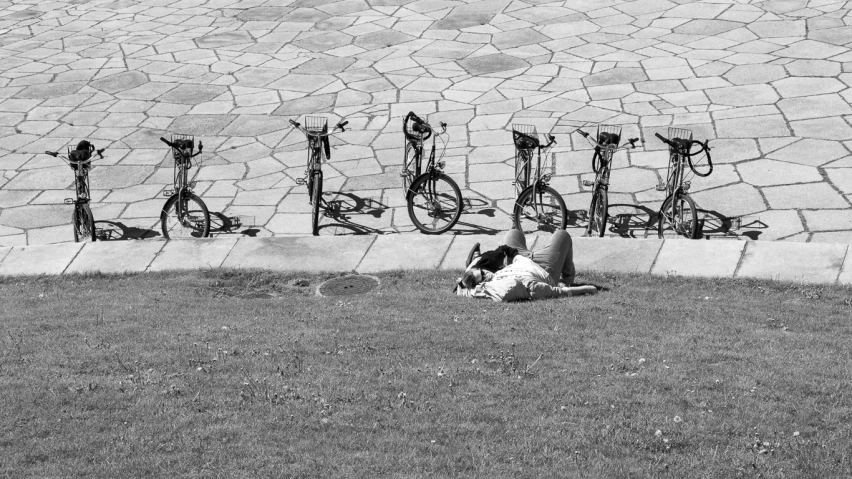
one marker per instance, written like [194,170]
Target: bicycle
[538,207]
[678,215]
[184,214]
[80,160]
[316,130]
[434,199]
[607,138]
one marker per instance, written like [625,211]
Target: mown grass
[177,374]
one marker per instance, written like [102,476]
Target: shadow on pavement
[116,231]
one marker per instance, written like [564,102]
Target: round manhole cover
[348,285]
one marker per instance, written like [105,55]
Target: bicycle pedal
[300,181]
[686,185]
[168,192]
[588,183]
[405,173]
[661,187]
[69,201]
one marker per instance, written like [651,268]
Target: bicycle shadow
[478,217]
[712,224]
[631,221]
[347,213]
[117,231]
[221,224]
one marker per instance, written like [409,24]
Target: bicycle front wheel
[316,199]
[598,213]
[678,217]
[434,203]
[185,216]
[523,169]
[540,209]
[84,223]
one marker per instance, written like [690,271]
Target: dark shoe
[474,253]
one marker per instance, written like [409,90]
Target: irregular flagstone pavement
[767,82]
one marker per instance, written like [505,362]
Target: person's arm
[540,290]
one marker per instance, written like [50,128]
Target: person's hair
[494,260]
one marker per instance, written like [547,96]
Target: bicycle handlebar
[52,153]
[632,141]
[101,153]
[167,142]
[340,126]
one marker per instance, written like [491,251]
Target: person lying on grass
[513,273]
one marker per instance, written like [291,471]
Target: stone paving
[767,82]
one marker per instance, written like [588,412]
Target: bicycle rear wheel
[680,220]
[84,223]
[598,213]
[434,203]
[185,216]
[540,209]
[316,199]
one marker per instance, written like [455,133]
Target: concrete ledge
[798,262]
[405,252]
[846,271]
[784,261]
[708,259]
[39,259]
[115,257]
[299,253]
[615,254]
[187,254]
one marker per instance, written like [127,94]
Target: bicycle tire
[83,224]
[535,214]
[192,222]
[596,160]
[523,169]
[407,163]
[434,198]
[598,213]
[316,199]
[671,223]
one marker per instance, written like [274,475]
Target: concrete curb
[815,263]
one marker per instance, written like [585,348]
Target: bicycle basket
[680,134]
[525,137]
[414,130]
[80,154]
[609,135]
[316,124]
[184,146]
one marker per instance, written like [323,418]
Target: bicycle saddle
[609,139]
[82,153]
[184,144]
[416,130]
[524,141]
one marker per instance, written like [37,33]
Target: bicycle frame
[677,161]
[81,185]
[183,162]
[539,180]
[415,142]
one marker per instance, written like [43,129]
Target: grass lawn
[185,375]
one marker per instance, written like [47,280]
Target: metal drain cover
[348,285]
